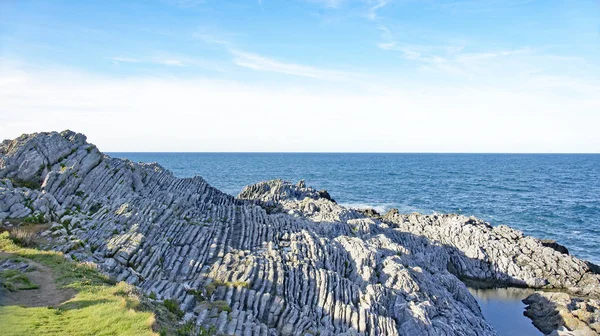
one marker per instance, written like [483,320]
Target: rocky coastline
[283,258]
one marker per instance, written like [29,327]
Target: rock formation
[280,259]
[558,313]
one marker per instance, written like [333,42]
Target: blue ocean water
[555,196]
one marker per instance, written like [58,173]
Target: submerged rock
[281,259]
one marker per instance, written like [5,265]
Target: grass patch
[14,280]
[35,219]
[27,184]
[21,236]
[211,287]
[220,305]
[173,307]
[100,306]
[95,208]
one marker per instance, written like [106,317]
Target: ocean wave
[385,207]
[381,208]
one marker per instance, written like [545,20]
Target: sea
[548,196]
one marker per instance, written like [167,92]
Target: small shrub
[152,296]
[243,284]
[186,329]
[95,208]
[221,306]
[211,287]
[22,237]
[197,294]
[207,332]
[26,184]
[35,219]
[173,307]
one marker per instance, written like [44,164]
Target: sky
[305,75]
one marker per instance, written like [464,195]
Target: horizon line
[433,153]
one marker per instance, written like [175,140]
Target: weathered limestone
[561,314]
[281,259]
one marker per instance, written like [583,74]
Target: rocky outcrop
[500,255]
[281,259]
[562,314]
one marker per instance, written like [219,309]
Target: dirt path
[48,294]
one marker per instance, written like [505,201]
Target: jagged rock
[554,245]
[279,259]
[562,314]
[369,212]
[325,194]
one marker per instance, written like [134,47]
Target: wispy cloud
[328,3]
[479,6]
[259,62]
[184,3]
[372,6]
[158,61]
[168,60]
[448,58]
[375,6]
[262,63]
[124,59]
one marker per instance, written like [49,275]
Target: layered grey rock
[281,259]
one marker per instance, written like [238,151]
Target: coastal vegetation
[94,303]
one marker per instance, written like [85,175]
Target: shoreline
[284,257]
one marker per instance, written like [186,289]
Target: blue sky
[521,75]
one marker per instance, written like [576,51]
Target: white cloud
[159,61]
[262,63]
[124,60]
[168,60]
[479,6]
[170,114]
[184,3]
[375,6]
[328,3]
[371,6]
[447,58]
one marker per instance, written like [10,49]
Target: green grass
[35,219]
[94,311]
[173,307]
[100,307]
[211,287]
[27,184]
[14,280]
[220,305]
